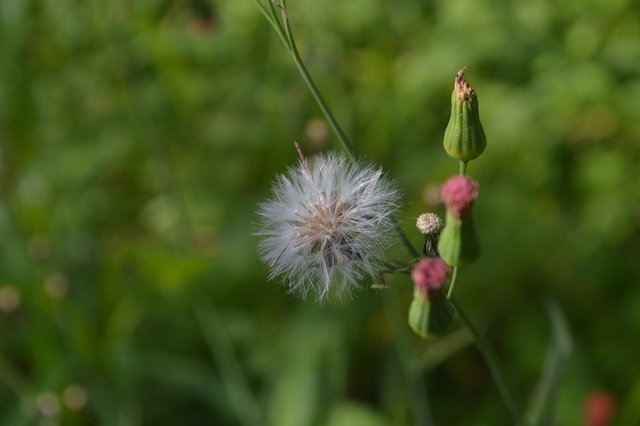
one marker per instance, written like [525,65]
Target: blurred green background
[137,138]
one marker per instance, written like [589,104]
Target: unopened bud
[464,138]
[431,313]
[459,244]
[431,317]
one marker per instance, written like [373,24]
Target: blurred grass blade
[542,406]
[492,363]
[354,414]
[310,380]
[418,396]
[185,375]
[11,378]
[442,349]
[630,407]
[232,377]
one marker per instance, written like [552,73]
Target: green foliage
[136,139]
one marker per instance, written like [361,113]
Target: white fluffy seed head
[429,224]
[327,224]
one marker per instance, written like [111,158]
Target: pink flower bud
[459,193]
[429,276]
[600,409]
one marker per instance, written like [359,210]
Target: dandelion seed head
[327,224]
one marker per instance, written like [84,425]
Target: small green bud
[464,137]
[431,313]
[431,316]
[459,244]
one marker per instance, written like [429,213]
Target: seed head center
[323,223]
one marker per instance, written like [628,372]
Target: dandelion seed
[327,224]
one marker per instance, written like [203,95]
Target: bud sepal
[459,244]
[431,316]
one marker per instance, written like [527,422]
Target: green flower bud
[459,244]
[464,137]
[430,316]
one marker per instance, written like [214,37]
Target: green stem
[293,49]
[491,361]
[463,168]
[406,242]
[454,277]
[348,147]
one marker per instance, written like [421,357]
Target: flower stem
[283,29]
[406,242]
[491,360]
[346,144]
[463,168]
[452,283]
